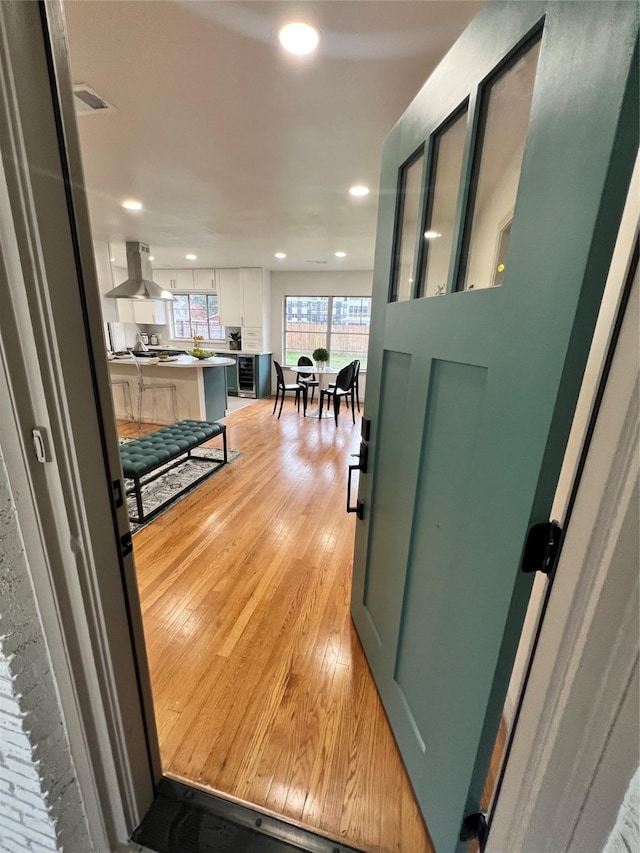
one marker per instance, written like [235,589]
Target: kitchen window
[197,314]
[338,323]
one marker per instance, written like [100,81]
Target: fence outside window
[338,323]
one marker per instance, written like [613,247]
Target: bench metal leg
[138,494]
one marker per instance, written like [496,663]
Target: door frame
[54,375]
[600,462]
[96,597]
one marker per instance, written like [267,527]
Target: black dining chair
[356,383]
[309,379]
[343,387]
[282,387]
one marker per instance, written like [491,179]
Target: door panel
[391,492]
[471,394]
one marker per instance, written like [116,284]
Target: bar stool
[143,387]
[126,396]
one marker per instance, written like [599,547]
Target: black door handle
[363,458]
[359,507]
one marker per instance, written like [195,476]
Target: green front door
[501,192]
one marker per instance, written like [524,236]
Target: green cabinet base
[261,375]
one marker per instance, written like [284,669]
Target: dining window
[340,324]
[197,314]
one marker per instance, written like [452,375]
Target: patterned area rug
[160,490]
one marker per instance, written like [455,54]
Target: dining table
[324,375]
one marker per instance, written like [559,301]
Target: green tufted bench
[141,457]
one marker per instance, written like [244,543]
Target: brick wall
[40,805]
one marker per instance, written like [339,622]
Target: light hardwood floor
[261,688]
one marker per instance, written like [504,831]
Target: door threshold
[187,819]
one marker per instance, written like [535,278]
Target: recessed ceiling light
[280,255]
[299,38]
[191,257]
[432,235]
[340,254]
[151,258]
[359,191]
[132,204]
[112,259]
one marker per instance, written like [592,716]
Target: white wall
[312,284]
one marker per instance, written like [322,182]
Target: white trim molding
[575,746]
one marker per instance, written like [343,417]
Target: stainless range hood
[139,284]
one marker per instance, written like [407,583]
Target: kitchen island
[201,388]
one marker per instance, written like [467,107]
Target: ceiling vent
[87,101]
[316,262]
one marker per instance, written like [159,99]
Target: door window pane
[502,134]
[407,239]
[443,200]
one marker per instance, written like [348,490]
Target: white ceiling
[236,149]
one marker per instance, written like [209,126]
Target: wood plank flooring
[261,688]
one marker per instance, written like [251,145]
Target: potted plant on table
[320,357]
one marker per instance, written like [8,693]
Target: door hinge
[542,547]
[474,828]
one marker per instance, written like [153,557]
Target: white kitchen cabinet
[142,311]
[252,339]
[149,311]
[251,285]
[174,279]
[204,280]
[244,299]
[125,310]
[229,297]
[163,278]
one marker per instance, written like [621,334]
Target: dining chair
[282,387]
[143,387]
[309,379]
[343,387]
[356,382]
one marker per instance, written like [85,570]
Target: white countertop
[211,346]
[180,361]
[246,352]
